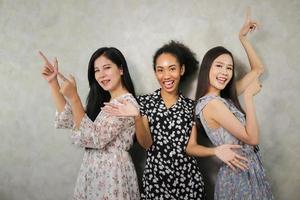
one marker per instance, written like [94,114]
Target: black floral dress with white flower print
[169,172]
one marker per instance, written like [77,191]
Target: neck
[169,98]
[118,92]
[213,91]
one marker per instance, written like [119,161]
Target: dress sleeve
[141,101]
[64,119]
[101,132]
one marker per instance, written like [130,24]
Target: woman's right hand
[253,88]
[49,71]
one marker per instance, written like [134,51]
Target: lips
[221,80]
[104,82]
[168,84]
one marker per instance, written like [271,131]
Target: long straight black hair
[229,92]
[97,95]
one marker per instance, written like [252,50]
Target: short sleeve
[141,101]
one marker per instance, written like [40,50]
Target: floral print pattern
[236,185]
[169,172]
[107,171]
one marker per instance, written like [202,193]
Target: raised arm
[69,90]
[216,112]
[142,129]
[50,72]
[256,65]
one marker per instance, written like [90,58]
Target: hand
[68,87]
[49,71]
[253,88]
[122,108]
[249,25]
[228,156]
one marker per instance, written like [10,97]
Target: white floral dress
[107,171]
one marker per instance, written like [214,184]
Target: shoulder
[187,102]
[148,97]
[129,97]
[210,102]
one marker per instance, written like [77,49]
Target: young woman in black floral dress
[165,128]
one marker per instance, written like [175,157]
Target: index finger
[62,77]
[44,57]
[248,14]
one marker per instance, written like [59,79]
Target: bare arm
[217,111]
[194,149]
[223,152]
[256,65]
[142,129]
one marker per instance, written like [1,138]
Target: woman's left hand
[228,156]
[68,87]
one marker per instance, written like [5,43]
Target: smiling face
[168,72]
[220,73]
[107,74]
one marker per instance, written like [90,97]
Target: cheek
[177,74]
[230,75]
[158,76]
[210,76]
[96,75]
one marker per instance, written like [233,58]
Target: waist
[106,150]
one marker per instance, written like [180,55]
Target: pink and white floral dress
[107,171]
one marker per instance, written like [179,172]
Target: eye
[159,70]
[230,68]
[96,70]
[218,65]
[172,69]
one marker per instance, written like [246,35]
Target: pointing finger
[72,79]
[62,77]
[44,57]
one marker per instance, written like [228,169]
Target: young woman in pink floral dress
[107,171]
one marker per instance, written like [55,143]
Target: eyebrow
[223,63]
[102,65]
[172,65]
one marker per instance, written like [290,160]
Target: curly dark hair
[183,55]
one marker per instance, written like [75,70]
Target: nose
[166,74]
[224,70]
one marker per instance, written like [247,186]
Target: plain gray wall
[38,162]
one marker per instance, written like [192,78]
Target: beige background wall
[38,162]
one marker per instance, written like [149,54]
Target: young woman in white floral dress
[107,171]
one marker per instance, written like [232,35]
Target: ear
[121,72]
[182,70]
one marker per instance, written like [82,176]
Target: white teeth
[222,80]
[168,84]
